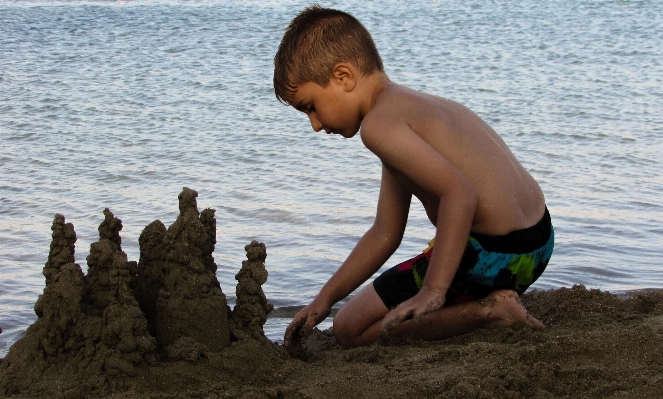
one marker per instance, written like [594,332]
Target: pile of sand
[94,331]
[161,328]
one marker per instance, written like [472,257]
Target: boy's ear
[345,74]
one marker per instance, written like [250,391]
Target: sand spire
[252,308]
[190,304]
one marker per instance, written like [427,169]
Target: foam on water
[121,104]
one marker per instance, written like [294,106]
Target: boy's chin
[347,133]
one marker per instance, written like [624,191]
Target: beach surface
[596,345]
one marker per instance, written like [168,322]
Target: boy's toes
[534,323]
[508,311]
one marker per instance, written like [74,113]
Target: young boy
[493,231]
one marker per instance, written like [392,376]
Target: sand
[161,328]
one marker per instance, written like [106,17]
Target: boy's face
[328,108]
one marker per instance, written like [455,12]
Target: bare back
[508,197]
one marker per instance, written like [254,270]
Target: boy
[493,231]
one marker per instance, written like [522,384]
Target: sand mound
[88,327]
[95,330]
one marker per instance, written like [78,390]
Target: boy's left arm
[398,146]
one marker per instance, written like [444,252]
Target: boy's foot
[506,310]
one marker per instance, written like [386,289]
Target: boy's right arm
[371,252]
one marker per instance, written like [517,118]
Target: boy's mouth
[333,131]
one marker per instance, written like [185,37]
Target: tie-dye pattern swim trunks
[512,261]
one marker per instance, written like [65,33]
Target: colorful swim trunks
[512,261]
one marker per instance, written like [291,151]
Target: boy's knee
[344,333]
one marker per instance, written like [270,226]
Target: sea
[121,104]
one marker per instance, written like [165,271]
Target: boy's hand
[424,302]
[303,323]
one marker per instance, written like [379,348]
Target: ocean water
[121,104]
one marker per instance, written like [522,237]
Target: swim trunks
[512,261]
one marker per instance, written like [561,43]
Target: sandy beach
[596,345]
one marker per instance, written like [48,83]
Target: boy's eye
[310,108]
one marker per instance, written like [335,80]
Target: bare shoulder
[398,105]
[388,114]
[383,111]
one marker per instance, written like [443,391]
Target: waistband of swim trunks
[520,241]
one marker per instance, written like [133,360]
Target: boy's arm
[370,253]
[398,146]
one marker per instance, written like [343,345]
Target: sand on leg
[358,322]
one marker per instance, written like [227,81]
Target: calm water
[121,104]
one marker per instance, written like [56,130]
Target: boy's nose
[315,123]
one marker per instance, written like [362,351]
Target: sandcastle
[124,315]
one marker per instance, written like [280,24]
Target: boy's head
[316,40]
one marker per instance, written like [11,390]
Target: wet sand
[596,345]
[160,328]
